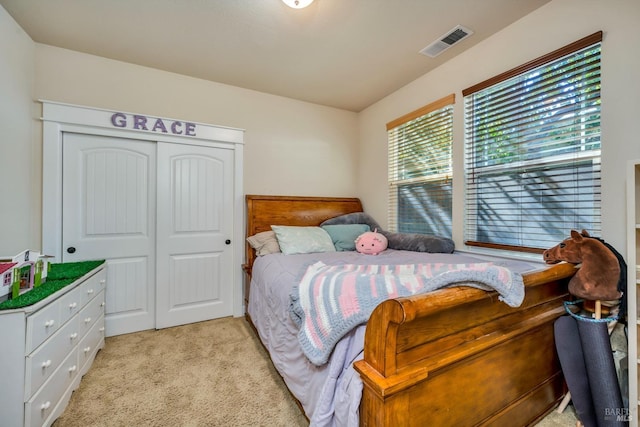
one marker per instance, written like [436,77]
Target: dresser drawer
[70,304]
[89,314]
[93,285]
[43,362]
[89,345]
[41,405]
[41,325]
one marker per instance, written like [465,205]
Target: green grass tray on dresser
[58,276]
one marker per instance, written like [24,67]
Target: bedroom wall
[554,25]
[19,209]
[294,147]
[289,145]
[284,138]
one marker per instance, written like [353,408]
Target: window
[532,151]
[420,181]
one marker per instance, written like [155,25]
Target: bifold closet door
[194,231]
[108,212]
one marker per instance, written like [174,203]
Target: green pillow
[344,235]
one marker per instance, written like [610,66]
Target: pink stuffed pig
[371,243]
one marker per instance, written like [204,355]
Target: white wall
[554,25]
[291,147]
[299,148]
[19,166]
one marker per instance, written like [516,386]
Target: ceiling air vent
[447,40]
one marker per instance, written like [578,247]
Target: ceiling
[346,54]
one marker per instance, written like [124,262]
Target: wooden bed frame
[455,356]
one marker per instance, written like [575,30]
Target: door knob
[71,249]
[228,242]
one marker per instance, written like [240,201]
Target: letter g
[119,120]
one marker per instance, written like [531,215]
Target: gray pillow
[354,218]
[419,242]
[400,241]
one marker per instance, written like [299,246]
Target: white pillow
[302,240]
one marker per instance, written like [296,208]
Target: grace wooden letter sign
[139,122]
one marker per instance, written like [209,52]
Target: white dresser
[46,348]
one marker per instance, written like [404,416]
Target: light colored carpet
[566,419]
[212,373]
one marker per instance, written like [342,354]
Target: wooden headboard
[264,211]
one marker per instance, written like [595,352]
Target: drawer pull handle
[87,349]
[101,329]
[90,291]
[73,336]
[45,405]
[102,282]
[103,304]
[49,323]
[72,369]
[73,305]
[46,364]
[87,320]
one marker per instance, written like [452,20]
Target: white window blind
[420,181]
[532,151]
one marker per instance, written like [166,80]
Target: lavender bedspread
[330,393]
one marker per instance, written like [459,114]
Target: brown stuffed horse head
[597,278]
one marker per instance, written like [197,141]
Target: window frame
[394,182]
[570,49]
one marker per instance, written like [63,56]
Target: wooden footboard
[460,357]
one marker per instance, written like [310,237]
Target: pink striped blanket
[330,300]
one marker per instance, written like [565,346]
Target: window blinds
[532,151]
[420,181]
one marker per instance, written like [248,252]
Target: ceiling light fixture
[297,4]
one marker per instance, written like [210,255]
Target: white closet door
[194,232]
[109,199]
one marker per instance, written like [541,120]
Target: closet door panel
[109,200]
[195,227]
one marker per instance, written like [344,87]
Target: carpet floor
[212,373]
[206,374]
